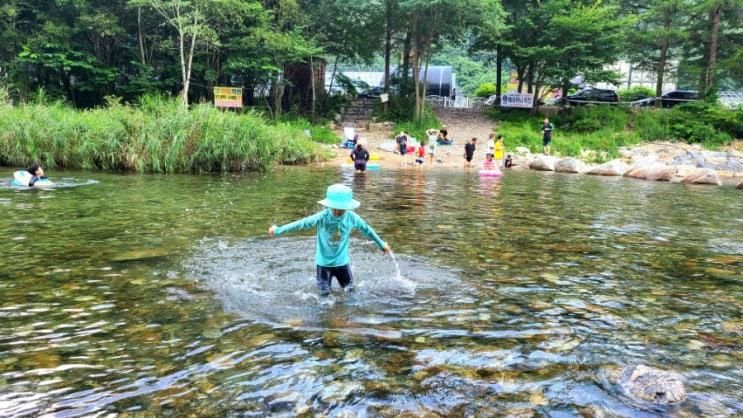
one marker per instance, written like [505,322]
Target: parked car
[593,95]
[670,99]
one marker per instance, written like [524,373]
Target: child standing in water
[420,155]
[469,152]
[334,226]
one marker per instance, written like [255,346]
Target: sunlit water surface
[160,294]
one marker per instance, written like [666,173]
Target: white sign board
[384,97]
[514,99]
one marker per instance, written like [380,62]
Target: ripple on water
[272,282]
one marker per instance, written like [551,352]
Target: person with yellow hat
[334,225]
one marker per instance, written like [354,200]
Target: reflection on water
[160,295]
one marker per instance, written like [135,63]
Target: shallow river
[160,295]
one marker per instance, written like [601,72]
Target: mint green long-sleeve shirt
[333,235]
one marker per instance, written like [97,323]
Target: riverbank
[157,135]
[660,160]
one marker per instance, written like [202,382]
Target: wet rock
[740,186]
[652,385]
[543,163]
[703,176]
[651,172]
[569,165]
[612,168]
[538,398]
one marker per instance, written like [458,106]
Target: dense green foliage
[158,135]
[485,90]
[606,129]
[635,93]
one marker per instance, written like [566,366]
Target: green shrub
[592,119]
[485,90]
[635,93]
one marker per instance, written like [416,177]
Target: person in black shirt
[547,128]
[469,152]
[402,146]
[360,156]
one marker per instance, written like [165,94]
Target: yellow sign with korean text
[228,97]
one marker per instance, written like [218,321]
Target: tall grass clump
[157,135]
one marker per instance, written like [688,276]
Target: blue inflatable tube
[23,178]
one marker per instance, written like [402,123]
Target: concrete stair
[358,113]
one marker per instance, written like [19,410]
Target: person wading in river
[334,226]
[547,128]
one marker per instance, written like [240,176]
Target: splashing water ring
[369,166]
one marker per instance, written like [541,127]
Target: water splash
[398,275]
[272,282]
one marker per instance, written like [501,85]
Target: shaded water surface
[160,295]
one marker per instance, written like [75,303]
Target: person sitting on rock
[508,163]
[443,138]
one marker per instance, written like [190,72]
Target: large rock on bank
[569,165]
[612,168]
[702,176]
[543,163]
[651,172]
[740,186]
[652,385]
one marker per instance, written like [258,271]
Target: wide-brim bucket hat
[340,196]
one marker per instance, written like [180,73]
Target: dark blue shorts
[325,277]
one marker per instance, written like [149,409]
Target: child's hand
[272,231]
[386,249]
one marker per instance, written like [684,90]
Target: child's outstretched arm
[300,225]
[362,226]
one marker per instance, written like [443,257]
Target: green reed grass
[158,135]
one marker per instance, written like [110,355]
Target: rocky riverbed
[663,161]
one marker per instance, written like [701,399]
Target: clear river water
[150,295]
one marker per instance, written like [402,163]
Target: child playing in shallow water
[488,164]
[334,226]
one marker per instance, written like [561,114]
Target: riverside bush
[485,90]
[604,128]
[635,93]
[158,135]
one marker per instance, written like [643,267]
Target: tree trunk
[661,72]
[184,82]
[530,78]
[520,75]
[140,35]
[312,85]
[565,88]
[278,94]
[416,82]
[405,77]
[708,77]
[332,76]
[387,50]
[424,93]
[498,73]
